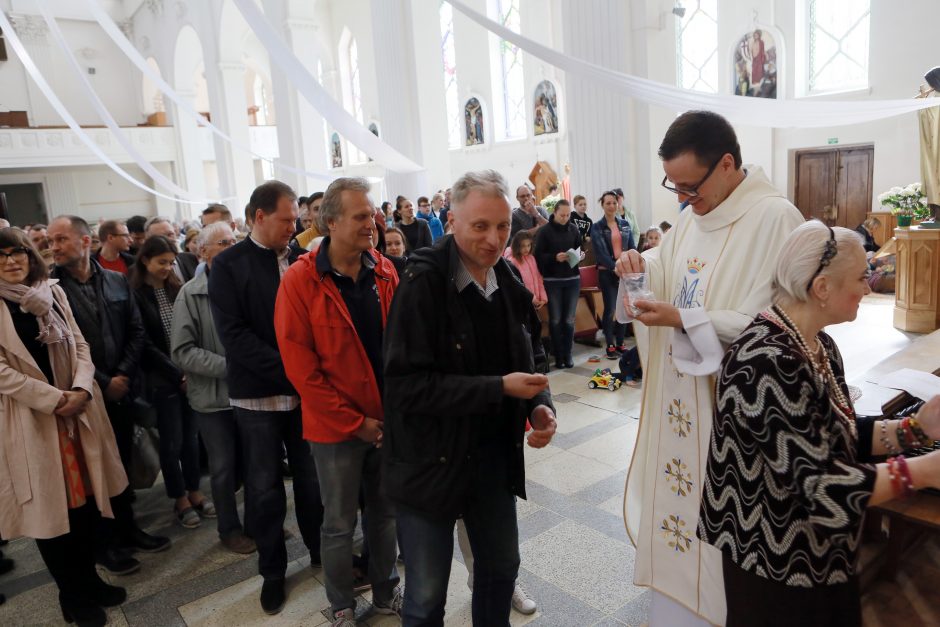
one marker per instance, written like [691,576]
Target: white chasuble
[717,269]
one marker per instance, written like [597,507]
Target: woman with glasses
[790,473]
[196,348]
[59,463]
[611,236]
[155,288]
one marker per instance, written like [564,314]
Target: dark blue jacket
[603,248]
[243,287]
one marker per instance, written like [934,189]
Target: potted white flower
[906,203]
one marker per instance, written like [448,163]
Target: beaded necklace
[822,371]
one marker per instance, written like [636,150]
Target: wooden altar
[917,291]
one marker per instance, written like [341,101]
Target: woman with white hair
[788,477]
[195,347]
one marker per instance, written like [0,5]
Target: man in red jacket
[330,318]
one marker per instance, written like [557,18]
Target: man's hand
[543,424]
[657,314]
[630,262]
[524,385]
[370,431]
[75,403]
[118,388]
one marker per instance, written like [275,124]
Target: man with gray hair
[460,387]
[330,319]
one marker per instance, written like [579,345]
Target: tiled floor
[576,560]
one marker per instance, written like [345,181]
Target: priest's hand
[658,314]
[630,262]
[543,424]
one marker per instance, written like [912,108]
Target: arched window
[697,46]
[449,56]
[510,114]
[352,95]
[837,37]
[354,80]
[261,101]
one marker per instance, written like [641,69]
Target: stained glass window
[449,56]
[511,116]
[697,46]
[838,44]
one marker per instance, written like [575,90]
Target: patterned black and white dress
[785,493]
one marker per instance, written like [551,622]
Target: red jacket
[322,354]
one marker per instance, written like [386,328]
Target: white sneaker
[344,618]
[521,601]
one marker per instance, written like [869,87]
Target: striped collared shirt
[464,278]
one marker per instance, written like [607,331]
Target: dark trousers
[755,601]
[179,442]
[220,435]
[630,369]
[609,283]
[428,545]
[345,468]
[70,558]
[111,531]
[262,434]
[562,304]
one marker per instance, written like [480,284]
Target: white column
[236,169]
[599,122]
[190,172]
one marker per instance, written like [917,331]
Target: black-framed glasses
[829,253]
[692,192]
[17,254]
[225,242]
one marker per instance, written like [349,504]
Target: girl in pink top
[520,254]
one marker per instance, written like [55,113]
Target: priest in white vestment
[711,276]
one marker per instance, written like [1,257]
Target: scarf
[54,331]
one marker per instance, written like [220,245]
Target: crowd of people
[388,358]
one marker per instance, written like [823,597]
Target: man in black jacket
[459,387]
[243,286]
[108,317]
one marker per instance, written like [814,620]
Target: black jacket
[242,290]
[187,263]
[161,371]
[121,329]
[551,239]
[435,400]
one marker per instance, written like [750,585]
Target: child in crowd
[652,238]
[520,254]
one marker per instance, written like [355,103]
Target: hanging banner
[752,111]
[50,95]
[109,27]
[306,84]
[109,121]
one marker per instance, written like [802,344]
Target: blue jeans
[262,434]
[609,283]
[220,435]
[344,467]
[179,442]
[562,304]
[428,545]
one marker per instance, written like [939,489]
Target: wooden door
[834,185]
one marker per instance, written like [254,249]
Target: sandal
[206,509]
[188,517]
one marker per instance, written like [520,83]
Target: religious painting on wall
[473,119]
[546,108]
[755,65]
[336,151]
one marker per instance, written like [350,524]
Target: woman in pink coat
[59,463]
[520,254]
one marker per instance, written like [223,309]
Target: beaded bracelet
[904,472]
[889,447]
[918,431]
[893,473]
[911,436]
[902,435]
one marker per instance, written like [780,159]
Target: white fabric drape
[112,30]
[764,112]
[47,91]
[306,84]
[109,121]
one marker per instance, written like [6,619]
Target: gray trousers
[343,468]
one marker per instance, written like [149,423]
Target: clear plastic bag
[635,286]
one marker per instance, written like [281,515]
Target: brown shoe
[238,542]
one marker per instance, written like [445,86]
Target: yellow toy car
[604,379]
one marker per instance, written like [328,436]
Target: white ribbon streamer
[111,123]
[106,23]
[332,112]
[50,95]
[741,109]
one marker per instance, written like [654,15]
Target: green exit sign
[832,140]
